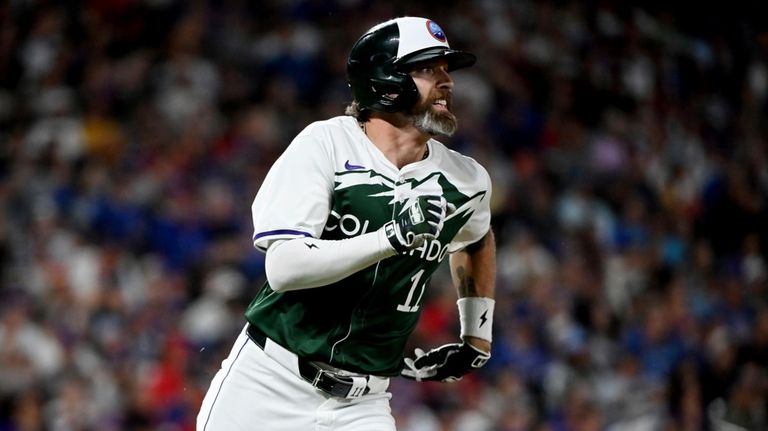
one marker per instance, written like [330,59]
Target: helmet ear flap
[381,58]
[398,93]
[376,83]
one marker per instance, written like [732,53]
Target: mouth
[441,104]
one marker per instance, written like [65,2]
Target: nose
[444,80]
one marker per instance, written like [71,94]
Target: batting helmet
[377,68]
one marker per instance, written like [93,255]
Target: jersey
[333,183]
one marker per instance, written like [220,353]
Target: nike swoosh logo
[350,167]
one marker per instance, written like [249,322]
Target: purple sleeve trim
[279,232]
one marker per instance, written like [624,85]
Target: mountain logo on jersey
[355,177]
[364,200]
[407,192]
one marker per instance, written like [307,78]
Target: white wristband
[476,317]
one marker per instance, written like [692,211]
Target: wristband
[476,317]
[390,230]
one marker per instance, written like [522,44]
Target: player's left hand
[447,363]
[422,220]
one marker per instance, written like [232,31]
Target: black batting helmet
[377,68]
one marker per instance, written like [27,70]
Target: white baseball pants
[254,392]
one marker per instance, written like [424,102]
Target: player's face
[432,113]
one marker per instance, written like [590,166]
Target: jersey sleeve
[294,199]
[479,222]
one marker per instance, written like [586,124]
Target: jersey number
[407,307]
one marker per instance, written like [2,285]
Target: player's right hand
[421,220]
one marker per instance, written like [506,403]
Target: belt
[327,380]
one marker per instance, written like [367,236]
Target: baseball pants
[257,392]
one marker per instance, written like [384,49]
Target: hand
[421,220]
[447,363]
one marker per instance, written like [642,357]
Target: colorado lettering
[351,225]
[431,250]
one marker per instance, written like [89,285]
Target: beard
[429,121]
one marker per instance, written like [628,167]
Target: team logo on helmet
[436,31]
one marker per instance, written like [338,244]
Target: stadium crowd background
[627,145]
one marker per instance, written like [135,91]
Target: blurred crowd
[627,145]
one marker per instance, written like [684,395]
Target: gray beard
[432,123]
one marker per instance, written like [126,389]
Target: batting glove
[451,362]
[447,363]
[420,221]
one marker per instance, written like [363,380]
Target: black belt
[327,381]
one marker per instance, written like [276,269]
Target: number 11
[413,308]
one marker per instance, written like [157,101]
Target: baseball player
[354,218]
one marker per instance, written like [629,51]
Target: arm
[473,270]
[305,263]
[474,273]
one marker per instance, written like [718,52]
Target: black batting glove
[418,222]
[447,363]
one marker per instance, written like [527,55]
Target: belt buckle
[318,376]
[340,386]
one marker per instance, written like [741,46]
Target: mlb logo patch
[436,31]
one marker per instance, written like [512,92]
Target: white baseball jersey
[333,183]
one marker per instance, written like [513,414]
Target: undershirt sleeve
[307,263]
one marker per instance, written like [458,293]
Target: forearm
[474,269]
[474,273]
[308,262]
